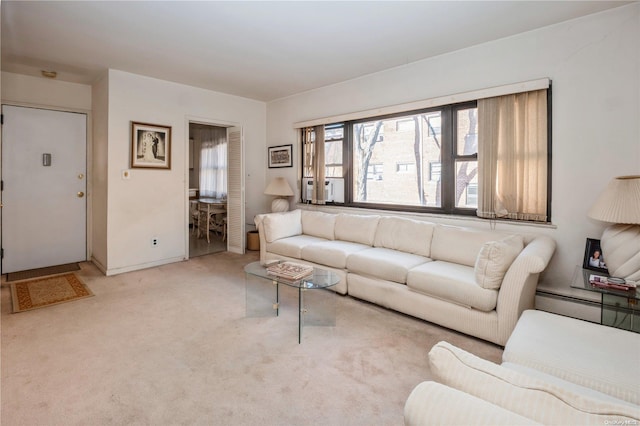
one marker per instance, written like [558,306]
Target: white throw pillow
[494,260]
[282,225]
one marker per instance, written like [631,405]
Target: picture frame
[150,146]
[280,156]
[593,257]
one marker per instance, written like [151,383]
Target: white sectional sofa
[556,371]
[474,281]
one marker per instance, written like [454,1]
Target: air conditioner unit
[334,190]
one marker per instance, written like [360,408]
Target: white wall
[99,175]
[594,64]
[152,203]
[45,92]
[125,214]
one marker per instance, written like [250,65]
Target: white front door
[44,213]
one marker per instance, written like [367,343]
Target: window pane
[397,171]
[467,184]
[333,158]
[333,133]
[467,143]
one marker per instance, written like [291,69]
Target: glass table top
[320,278]
[581,281]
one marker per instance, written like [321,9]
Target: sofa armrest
[518,289]
[432,403]
[263,241]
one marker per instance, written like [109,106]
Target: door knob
[80,194]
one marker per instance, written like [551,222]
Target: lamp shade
[279,187]
[619,202]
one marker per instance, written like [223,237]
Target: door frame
[88,164]
[209,122]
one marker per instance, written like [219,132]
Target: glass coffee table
[263,295]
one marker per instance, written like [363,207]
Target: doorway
[208,176]
[44,214]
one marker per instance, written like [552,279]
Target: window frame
[448,159]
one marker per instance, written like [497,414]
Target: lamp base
[621,251]
[279,205]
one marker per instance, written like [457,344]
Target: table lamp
[619,204]
[281,189]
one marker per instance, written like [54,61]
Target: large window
[426,160]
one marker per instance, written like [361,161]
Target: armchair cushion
[536,399]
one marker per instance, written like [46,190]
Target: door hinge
[1,253]
[1,119]
[1,185]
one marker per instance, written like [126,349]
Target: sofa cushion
[356,228]
[318,224]
[432,403]
[582,390]
[460,245]
[494,259]
[452,282]
[528,396]
[292,246]
[410,236]
[386,264]
[331,253]
[282,225]
[549,342]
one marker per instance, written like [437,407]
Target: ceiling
[260,50]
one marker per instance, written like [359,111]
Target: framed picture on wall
[150,146]
[593,257]
[280,156]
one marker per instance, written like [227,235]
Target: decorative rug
[41,292]
[42,272]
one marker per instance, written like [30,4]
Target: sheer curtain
[213,161]
[314,164]
[512,156]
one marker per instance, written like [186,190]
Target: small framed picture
[593,256]
[150,146]
[280,156]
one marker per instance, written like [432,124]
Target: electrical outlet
[154,241]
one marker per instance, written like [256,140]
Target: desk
[213,211]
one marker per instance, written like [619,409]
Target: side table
[619,308]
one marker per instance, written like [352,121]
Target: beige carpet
[38,293]
[172,346]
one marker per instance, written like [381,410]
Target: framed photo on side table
[593,257]
[150,146]
[280,156]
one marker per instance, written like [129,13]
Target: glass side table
[263,296]
[619,308]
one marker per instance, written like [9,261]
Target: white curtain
[513,156]
[213,161]
[314,164]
